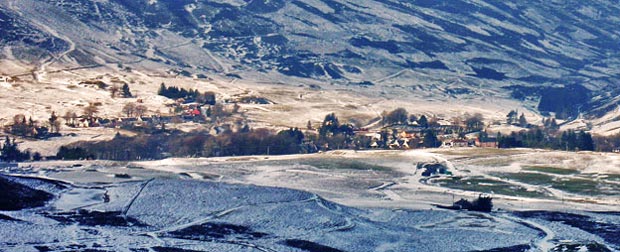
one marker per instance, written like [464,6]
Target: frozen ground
[336,201]
[172,214]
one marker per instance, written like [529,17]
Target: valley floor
[334,201]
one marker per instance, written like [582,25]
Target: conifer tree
[126,92]
[423,122]
[162,90]
[522,120]
[511,118]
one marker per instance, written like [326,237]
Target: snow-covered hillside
[449,49]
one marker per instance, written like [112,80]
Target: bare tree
[70,118]
[19,119]
[457,121]
[20,126]
[129,109]
[140,110]
[397,116]
[57,125]
[474,122]
[114,90]
[54,123]
[91,110]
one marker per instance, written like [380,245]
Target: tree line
[332,134]
[194,144]
[400,116]
[173,92]
[30,128]
[11,153]
[537,138]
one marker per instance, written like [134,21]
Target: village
[190,112]
[412,136]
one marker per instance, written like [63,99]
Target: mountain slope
[460,48]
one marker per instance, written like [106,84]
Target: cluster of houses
[490,142]
[187,112]
[193,109]
[412,136]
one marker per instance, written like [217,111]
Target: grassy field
[484,185]
[575,185]
[586,187]
[335,163]
[493,162]
[612,177]
[548,169]
[527,178]
[481,152]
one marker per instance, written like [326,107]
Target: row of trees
[550,123]
[537,138]
[607,143]
[115,90]
[334,135]
[30,128]
[124,91]
[134,109]
[513,118]
[10,152]
[173,92]
[89,112]
[20,126]
[196,144]
[400,116]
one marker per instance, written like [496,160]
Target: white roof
[444,123]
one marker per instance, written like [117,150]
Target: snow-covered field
[335,201]
[174,214]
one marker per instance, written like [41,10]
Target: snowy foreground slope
[162,214]
[211,205]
